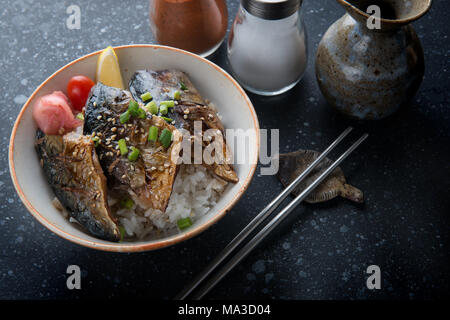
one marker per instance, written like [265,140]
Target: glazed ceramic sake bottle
[368,68]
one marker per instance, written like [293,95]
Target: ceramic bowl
[213,83]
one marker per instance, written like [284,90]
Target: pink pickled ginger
[54,115]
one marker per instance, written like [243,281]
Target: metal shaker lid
[271,9]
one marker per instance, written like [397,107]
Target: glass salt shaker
[267,47]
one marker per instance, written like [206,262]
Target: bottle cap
[271,9]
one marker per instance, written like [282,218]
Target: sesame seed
[95,104]
[186,111]
[113,137]
[185,116]
[114,129]
[126,138]
[124,176]
[99,117]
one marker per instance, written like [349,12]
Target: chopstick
[258,219]
[244,251]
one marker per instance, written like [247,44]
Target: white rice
[195,192]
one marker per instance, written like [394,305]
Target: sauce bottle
[198,26]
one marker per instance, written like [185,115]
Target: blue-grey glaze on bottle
[369,73]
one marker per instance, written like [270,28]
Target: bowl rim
[130,247]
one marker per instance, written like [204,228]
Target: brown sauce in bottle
[193,25]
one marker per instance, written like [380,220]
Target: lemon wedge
[108,70]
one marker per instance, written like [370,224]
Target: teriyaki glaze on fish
[125,148]
[73,171]
[190,107]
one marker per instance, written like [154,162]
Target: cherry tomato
[78,90]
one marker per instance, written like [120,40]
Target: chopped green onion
[123,147]
[122,233]
[168,103]
[153,133]
[184,223]
[134,154]
[133,105]
[133,108]
[96,140]
[152,107]
[126,203]
[80,116]
[182,86]
[125,117]
[146,96]
[169,120]
[177,95]
[163,109]
[165,138]
[141,113]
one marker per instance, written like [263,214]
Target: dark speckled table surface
[321,251]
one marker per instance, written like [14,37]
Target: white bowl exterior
[231,102]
